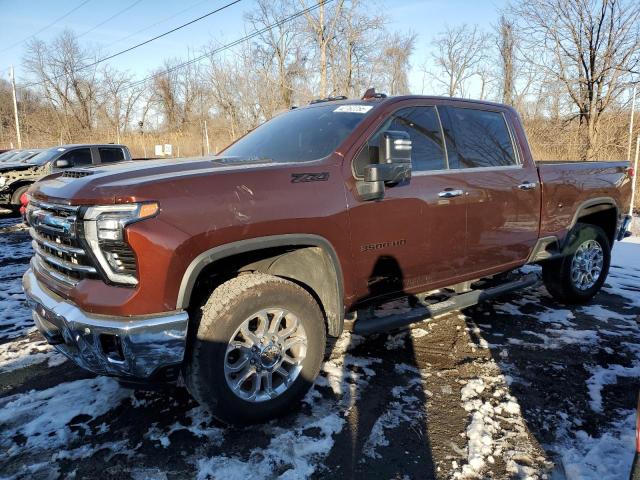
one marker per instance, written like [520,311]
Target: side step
[366,326]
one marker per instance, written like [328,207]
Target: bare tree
[355,48]
[460,53]
[177,93]
[322,24]
[280,48]
[590,47]
[119,99]
[394,62]
[61,73]
[506,49]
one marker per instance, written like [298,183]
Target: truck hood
[13,167]
[128,181]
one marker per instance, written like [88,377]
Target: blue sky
[20,19]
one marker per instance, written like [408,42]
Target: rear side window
[111,154]
[423,127]
[78,157]
[477,138]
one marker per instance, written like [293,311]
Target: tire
[565,277]
[254,300]
[15,198]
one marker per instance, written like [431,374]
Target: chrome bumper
[132,347]
[623,230]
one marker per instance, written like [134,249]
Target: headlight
[104,232]
[3,181]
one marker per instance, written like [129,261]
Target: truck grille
[59,253]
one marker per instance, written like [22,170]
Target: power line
[232,44]
[109,57]
[46,27]
[157,23]
[110,18]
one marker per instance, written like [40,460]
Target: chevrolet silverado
[230,273]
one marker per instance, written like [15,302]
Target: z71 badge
[309,177]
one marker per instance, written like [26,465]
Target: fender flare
[588,207]
[333,303]
[593,205]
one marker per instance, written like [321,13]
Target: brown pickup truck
[230,272]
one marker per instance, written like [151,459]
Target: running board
[365,326]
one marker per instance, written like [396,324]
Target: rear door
[415,235]
[502,192]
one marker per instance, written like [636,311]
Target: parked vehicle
[20,171]
[232,271]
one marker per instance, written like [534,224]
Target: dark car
[20,170]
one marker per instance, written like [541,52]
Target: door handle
[450,193]
[527,186]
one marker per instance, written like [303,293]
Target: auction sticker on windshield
[353,108]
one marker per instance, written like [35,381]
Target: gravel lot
[520,388]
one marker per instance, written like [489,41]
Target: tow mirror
[61,163]
[394,165]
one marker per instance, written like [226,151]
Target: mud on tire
[236,311]
[567,278]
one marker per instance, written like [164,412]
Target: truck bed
[567,185]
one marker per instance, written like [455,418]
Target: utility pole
[634,179]
[206,137]
[15,106]
[633,108]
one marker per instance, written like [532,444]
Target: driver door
[414,237]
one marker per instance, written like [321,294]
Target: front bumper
[131,347]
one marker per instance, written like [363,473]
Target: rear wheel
[580,273]
[258,348]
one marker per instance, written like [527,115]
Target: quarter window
[423,127]
[477,138]
[111,154]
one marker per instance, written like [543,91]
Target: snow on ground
[27,351]
[15,253]
[578,454]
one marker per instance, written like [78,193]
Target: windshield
[300,135]
[6,156]
[19,157]
[45,156]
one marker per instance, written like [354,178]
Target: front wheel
[580,273]
[258,348]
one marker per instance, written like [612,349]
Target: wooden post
[15,106]
[633,108]
[635,176]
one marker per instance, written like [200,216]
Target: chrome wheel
[587,264]
[265,354]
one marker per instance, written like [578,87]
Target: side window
[78,157]
[423,127]
[110,154]
[477,138]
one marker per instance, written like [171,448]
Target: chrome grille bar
[72,267]
[59,253]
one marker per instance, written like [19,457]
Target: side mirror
[61,163]
[394,165]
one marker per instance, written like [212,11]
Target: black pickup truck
[16,177]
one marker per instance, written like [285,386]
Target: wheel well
[311,267]
[606,217]
[17,185]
